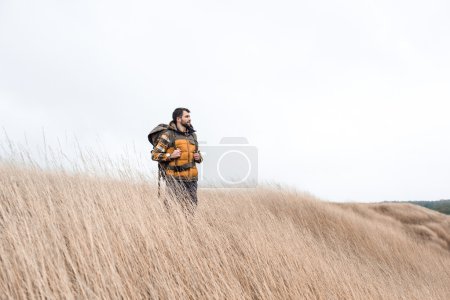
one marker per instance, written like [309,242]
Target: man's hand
[176,154]
[196,156]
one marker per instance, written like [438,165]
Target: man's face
[186,118]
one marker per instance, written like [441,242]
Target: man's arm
[159,152]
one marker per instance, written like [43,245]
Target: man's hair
[178,112]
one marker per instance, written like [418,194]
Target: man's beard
[189,127]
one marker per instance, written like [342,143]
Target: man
[177,152]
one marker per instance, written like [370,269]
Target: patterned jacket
[183,167]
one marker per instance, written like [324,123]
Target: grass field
[78,236]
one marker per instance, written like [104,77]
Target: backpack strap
[182,167]
[171,134]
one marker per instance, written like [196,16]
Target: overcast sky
[348,100]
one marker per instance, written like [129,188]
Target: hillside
[74,236]
[442,206]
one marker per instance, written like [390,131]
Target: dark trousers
[185,192]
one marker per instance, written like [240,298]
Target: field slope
[67,236]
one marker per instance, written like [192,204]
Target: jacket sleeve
[159,151]
[198,151]
[201,158]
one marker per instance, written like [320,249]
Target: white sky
[348,100]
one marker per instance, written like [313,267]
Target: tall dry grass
[74,236]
